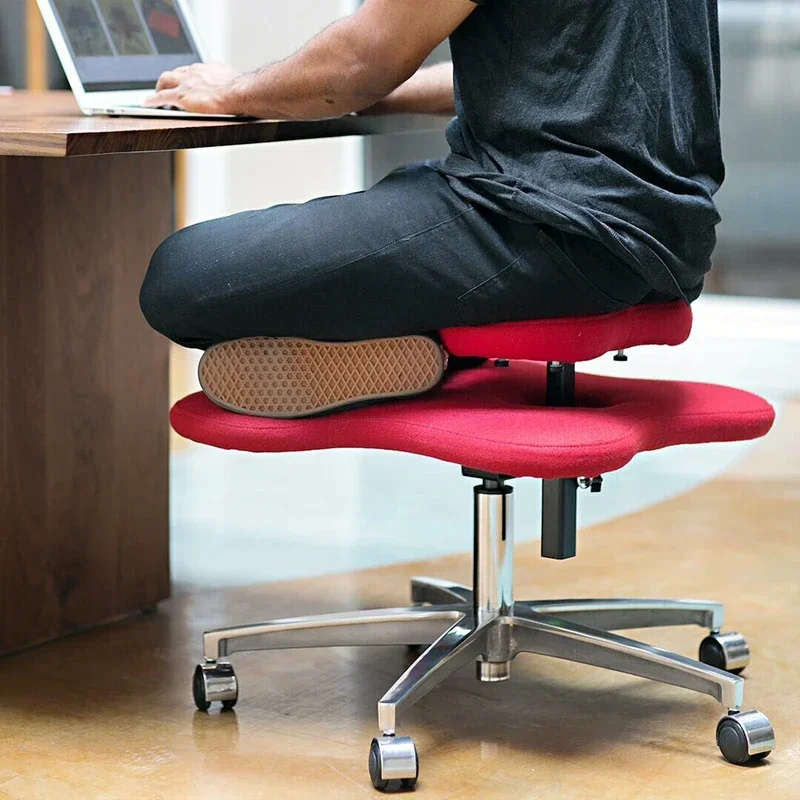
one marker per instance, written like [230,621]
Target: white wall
[249,34]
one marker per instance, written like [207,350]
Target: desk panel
[84,526]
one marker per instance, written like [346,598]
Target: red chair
[522,415]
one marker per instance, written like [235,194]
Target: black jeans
[406,256]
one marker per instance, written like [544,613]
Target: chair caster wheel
[393,763]
[214,682]
[745,738]
[728,651]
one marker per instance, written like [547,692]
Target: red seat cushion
[574,339]
[494,419]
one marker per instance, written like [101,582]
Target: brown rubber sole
[291,378]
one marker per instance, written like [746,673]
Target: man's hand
[203,88]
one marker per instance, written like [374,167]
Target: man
[585,153]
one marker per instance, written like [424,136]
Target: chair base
[484,625]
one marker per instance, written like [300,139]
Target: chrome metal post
[559,638]
[493,574]
[461,643]
[621,613]
[389,626]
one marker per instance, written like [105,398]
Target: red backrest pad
[574,339]
[494,419]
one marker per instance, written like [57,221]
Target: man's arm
[429,91]
[350,66]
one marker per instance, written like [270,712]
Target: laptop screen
[124,44]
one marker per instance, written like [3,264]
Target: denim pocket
[578,276]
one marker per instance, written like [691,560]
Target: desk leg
[84,520]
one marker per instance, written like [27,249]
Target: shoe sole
[288,378]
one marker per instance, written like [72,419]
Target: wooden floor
[108,713]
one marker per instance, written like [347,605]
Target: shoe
[292,378]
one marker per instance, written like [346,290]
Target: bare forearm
[430,91]
[336,73]
[355,64]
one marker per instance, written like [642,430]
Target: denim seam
[494,277]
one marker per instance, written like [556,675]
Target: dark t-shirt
[599,118]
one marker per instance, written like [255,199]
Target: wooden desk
[84,452]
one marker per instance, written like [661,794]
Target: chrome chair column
[493,575]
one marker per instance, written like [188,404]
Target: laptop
[113,51]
